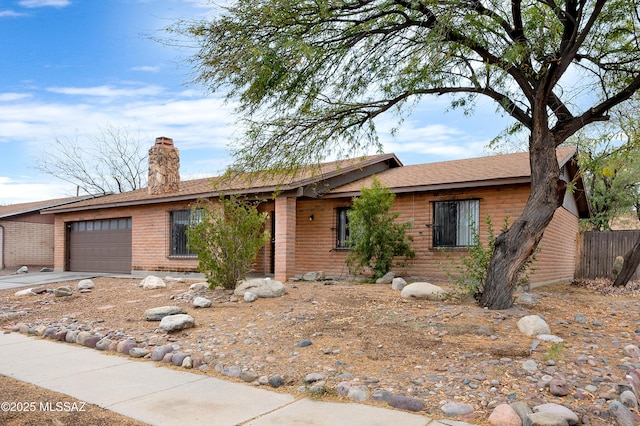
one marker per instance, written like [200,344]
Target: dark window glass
[180,222]
[455,223]
[342,228]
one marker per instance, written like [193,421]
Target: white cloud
[108,91]
[12,97]
[146,68]
[13,192]
[11,13]
[44,3]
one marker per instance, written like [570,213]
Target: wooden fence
[598,250]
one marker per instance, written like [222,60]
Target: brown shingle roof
[255,183]
[22,208]
[481,171]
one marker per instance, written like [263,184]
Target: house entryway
[99,246]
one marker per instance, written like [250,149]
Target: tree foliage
[227,237]
[112,160]
[611,167]
[610,163]
[375,239]
[312,77]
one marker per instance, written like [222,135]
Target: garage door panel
[96,247]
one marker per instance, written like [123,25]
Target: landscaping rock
[152,282]
[527,299]
[559,387]
[62,291]
[276,381]
[176,322]
[160,351]
[398,284]
[313,276]
[358,393]
[423,290]
[405,403]
[386,278]
[195,287]
[504,415]
[103,344]
[86,284]
[125,346]
[250,297]
[22,270]
[622,414]
[560,410]
[201,302]
[261,287]
[532,325]
[546,419]
[25,292]
[138,352]
[455,409]
[156,314]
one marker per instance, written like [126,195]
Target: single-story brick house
[26,236]
[143,231]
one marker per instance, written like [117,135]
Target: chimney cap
[163,140]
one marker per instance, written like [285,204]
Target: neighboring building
[26,236]
[142,231]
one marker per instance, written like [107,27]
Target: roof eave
[41,209]
[442,186]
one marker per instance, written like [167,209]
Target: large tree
[110,160]
[312,76]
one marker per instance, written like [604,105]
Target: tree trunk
[514,247]
[629,266]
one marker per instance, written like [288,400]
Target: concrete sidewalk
[147,392]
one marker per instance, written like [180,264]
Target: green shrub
[227,238]
[375,240]
[470,272]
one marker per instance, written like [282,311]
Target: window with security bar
[180,221]
[455,222]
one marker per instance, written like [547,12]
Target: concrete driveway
[33,279]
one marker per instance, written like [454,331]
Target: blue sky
[69,67]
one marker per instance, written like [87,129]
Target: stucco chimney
[164,166]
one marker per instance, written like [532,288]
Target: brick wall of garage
[150,237]
[149,234]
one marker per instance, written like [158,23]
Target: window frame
[342,228]
[180,233]
[455,240]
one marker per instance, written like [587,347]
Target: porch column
[285,256]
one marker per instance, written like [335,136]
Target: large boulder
[25,292]
[261,287]
[152,282]
[176,322]
[423,290]
[86,284]
[156,314]
[313,276]
[533,325]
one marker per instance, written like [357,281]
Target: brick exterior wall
[304,245]
[556,258]
[286,230]
[316,243]
[150,236]
[27,242]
